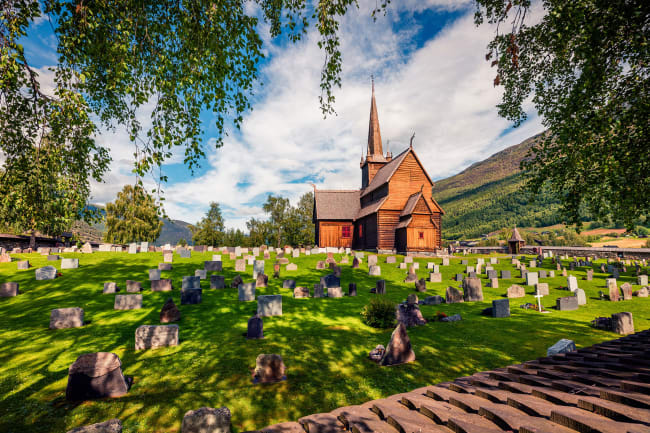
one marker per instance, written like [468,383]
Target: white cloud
[443,92]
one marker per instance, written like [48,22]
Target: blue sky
[431,78]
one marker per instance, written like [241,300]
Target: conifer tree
[133,217]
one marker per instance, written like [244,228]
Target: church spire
[375,152]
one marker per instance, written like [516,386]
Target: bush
[379,313]
[647,243]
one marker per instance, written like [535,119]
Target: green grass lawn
[323,342]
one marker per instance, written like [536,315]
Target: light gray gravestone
[246,292]
[154,274]
[258,268]
[531,278]
[45,273]
[374,270]
[562,346]
[572,283]
[110,288]
[154,336]
[269,305]
[69,263]
[201,273]
[581,296]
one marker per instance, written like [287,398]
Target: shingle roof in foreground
[336,205]
[602,388]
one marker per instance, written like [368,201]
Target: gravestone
[155,336]
[433,300]
[516,291]
[453,296]
[240,265]
[613,289]
[435,277]
[352,289]
[246,292]
[301,292]
[542,289]
[641,293]
[399,350]
[506,275]
[374,270]
[532,264]
[217,257]
[234,284]
[402,265]
[169,312]
[289,284]
[154,274]
[217,282]
[494,283]
[623,323]
[61,318]
[430,265]
[590,274]
[472,290]
[572,283]
[500,308]
[542,273]
[411,276]
[380,287]
[445,261]
[408,259]
[409,314]
[492,274]
[191,296]
[110,288]
[469,269]
[641,280]
[23,264]
[334,292]
[45,273]
[69,263]
[261,281]
[464,262]
[255,328]
[162,285]
[494,261]
[421,285]
[372,260]
[133,248]
[459,277]
[391,259]
[330,281]
[87,248]
[96,375]
[319,291]
[269,369]
[566,303]
[185,254]
[322,265]
[110,426]
[164,266]
[294,267]
[562,346]
[531,278]
[258,268]
[168,257]
[133,286]
[551,274]
[191,282]
[472,275]
[581,296]
[213,266]
[144,246]
[9,290]
[626,291]
[128,302]
[615,273]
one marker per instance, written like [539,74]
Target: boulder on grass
[110,426]
[399,350]
[622,323]
[207,420]
[96,375]
[170,312]
[269,369]
[472,290]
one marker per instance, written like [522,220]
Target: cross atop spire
[375,152]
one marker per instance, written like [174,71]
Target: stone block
[613,289]
[52,258]
[191,282]
[623,323]
[352,289]
[453,295]
[445,261]
[45,273]
[269,305]
[516,291]
[217,282]
[374,270]
[319,290]
[532,278]
[155,336]
[372,260]
[22,265]
[110,426]
[213,266]
[69,263]
[289,284]
[201,273]
[61,318]
[246,292]
[494,283]
[626,291]
[567,303]
[301,292]
[642,280]
[133,286]
[472,290]
[162,285]
[542,289]
[154,274]
[168,257]
[435,277]
[391,259]
[96,375]
[562,346]
[9,290]
[164,267]
[128,302]
[334,292]
[191,296]
[506,275]
[240,265]
[185,254]
[433,300]
[572,283]
[501,308]
[580,296]
[169,312]
[380,287]
[269,369]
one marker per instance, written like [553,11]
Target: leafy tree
[209,231]
[303,215]
[236,237]
[182,242]
[278,209]
[259,232]
[585,65]
[134,216]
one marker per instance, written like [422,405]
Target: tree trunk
[32,240]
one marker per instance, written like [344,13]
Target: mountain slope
[489,195]
[173,231]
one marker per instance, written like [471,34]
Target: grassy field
[323,342]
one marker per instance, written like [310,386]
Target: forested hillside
[488,196]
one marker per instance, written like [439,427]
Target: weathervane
[412,137]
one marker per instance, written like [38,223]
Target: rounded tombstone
[96,375]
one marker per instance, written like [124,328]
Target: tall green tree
[209,231]
[299,224]
[133,217]
[277,207]
[585,66]
[259,232]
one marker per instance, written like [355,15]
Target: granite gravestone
[128,302]
[217,282]
[155,336]
[162,285]
[246,292]
[61,318]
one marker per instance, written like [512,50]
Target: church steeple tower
[375,151]
[375,158]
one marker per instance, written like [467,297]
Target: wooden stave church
[393,211]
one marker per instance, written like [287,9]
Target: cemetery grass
[324,342]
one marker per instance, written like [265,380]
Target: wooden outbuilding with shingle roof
[393,210]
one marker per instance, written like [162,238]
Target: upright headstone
[623,323]
[472,290]
[435,277]
[255,328]
[217,282]
[69,263]
[133,286]
[96,375]
[170,312]
[352,289]
[380,287]
[506,275]
[45,273]
[500,308]
[399,350]
[128,302]
[531,278]
[213,266]
[516,291]
[581,296]
[566,303]
[155,336]
[453,296]
[562,346]
[9,290]
[301,292]
[613,289]
[163,285]
[572,283]
[542,289]
[154,274]
[61,318]
[269,369]
[110,288]
[626,291]
[374,270]
[246,292]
